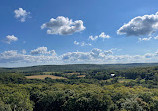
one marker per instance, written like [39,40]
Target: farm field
[81,76]
[44,76]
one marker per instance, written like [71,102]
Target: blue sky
[24,42]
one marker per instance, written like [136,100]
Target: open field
[43,77]
[48,73]
[81,76]
[72,73]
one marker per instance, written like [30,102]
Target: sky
[48,32]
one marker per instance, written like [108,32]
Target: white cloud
[108,52]
[42,50]
[40,55]
[99,56]
[39,50]
[10,56]
[93,37]
[95,55]
[140,26]
[9,53]
[75,56]
[76,43]
[156,37]
[102,35]
[13,56]
[149,55]
[96,52]
[10,38]
[145,39]
[23,51]
[85,44]
[82,43]
[21,14]
[63,26]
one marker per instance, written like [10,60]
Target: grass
[81,76]
[44,76]
[48,73]
[72,73]
[124,80]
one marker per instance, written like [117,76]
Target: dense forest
[82,87]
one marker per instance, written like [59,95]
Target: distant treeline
[76,67]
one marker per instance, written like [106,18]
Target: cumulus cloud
[75,56]
[9,53]
[76,43]
[95,55]
[85,44]
[39,50]
[13,56]
[102,35]
[63,26]
[10,38]
[93,37]
[23,51]
[106,56]
[42,50]
[108,52]
[156,37]
[145,39]
[149,55]
[82,43]
[21,14]
[140,26]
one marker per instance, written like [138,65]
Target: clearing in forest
[44,76]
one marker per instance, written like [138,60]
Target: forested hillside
[130,87]
[75,67]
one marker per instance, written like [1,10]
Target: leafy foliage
[131,89]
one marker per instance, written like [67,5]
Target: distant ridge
[76,67]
